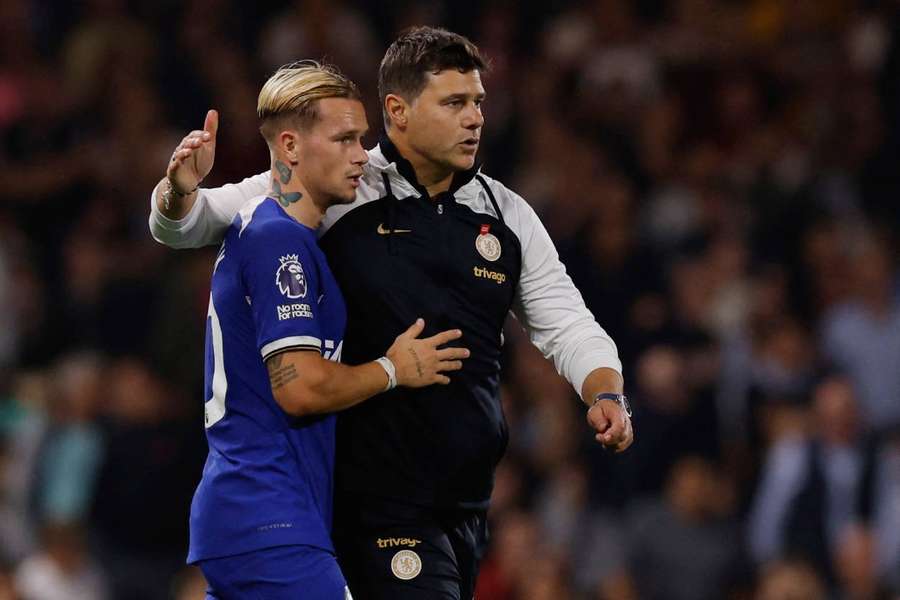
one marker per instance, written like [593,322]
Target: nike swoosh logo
[382,231]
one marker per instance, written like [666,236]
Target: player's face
[331,155]
[445,120]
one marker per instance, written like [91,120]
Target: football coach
[428,235]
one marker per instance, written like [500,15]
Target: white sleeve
[551,308]
[212,213]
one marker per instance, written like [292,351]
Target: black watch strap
[620,399]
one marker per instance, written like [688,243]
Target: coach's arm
[185,216]
[304,383]
[551,309]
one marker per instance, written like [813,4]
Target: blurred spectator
[885,522]
[814,485]
[545,578]
[62,570]
[676,419]
[314,28]
[189,584]
[72,449]
[153,462]
[790,580]
[695,514]
[857,567]
[720,179]
[24,426]
[515,540]
[7,583]
[862,336]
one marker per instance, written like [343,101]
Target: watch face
[625,404]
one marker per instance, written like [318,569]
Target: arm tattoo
[418,362]
[284,176]
[279,373]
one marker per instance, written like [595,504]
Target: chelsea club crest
[289,277]
[488,246]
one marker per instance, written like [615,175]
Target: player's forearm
[327,387]
[344,386]
[170,203]
[601,381]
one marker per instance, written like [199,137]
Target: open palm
[193,158]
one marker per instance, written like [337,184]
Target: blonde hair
[294,91]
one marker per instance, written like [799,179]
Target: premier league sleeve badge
[289,277]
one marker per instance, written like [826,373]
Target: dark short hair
[422,50]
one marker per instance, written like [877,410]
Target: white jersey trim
[248,211]
[214,407]
[296,341]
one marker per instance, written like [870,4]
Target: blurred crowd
[721,180]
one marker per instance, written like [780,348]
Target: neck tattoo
[284,175]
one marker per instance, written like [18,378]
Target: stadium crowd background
[721,179]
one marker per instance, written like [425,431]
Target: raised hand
[194,156]
[421,362]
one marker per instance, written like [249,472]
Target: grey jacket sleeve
[549,305]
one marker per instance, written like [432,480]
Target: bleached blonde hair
[293,94]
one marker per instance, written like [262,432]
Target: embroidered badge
[487,244]
[406,565]
[289,277]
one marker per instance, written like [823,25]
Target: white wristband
[391,371]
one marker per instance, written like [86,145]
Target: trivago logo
[499,278]
[395,542]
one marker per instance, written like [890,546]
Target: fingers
[613,426]
[414,330]
[613,434]
[628,438]
[178,157]
[598,420]
[196,138]
[189,143]
[443,337]
[452,353]
[623,446]
[193,140]
[449,365]
[419,362]
[211,124]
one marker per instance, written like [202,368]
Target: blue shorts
[280,573]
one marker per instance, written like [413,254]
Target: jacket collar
[386,157]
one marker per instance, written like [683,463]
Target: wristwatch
[620,399]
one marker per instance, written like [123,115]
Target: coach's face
[330,154]
[445,120]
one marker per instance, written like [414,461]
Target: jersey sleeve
[209,217]
[282,284]
[551,308]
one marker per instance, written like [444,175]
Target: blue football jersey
[268,477]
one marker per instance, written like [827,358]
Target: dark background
[721,180]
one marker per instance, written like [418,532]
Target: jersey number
[214,409]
